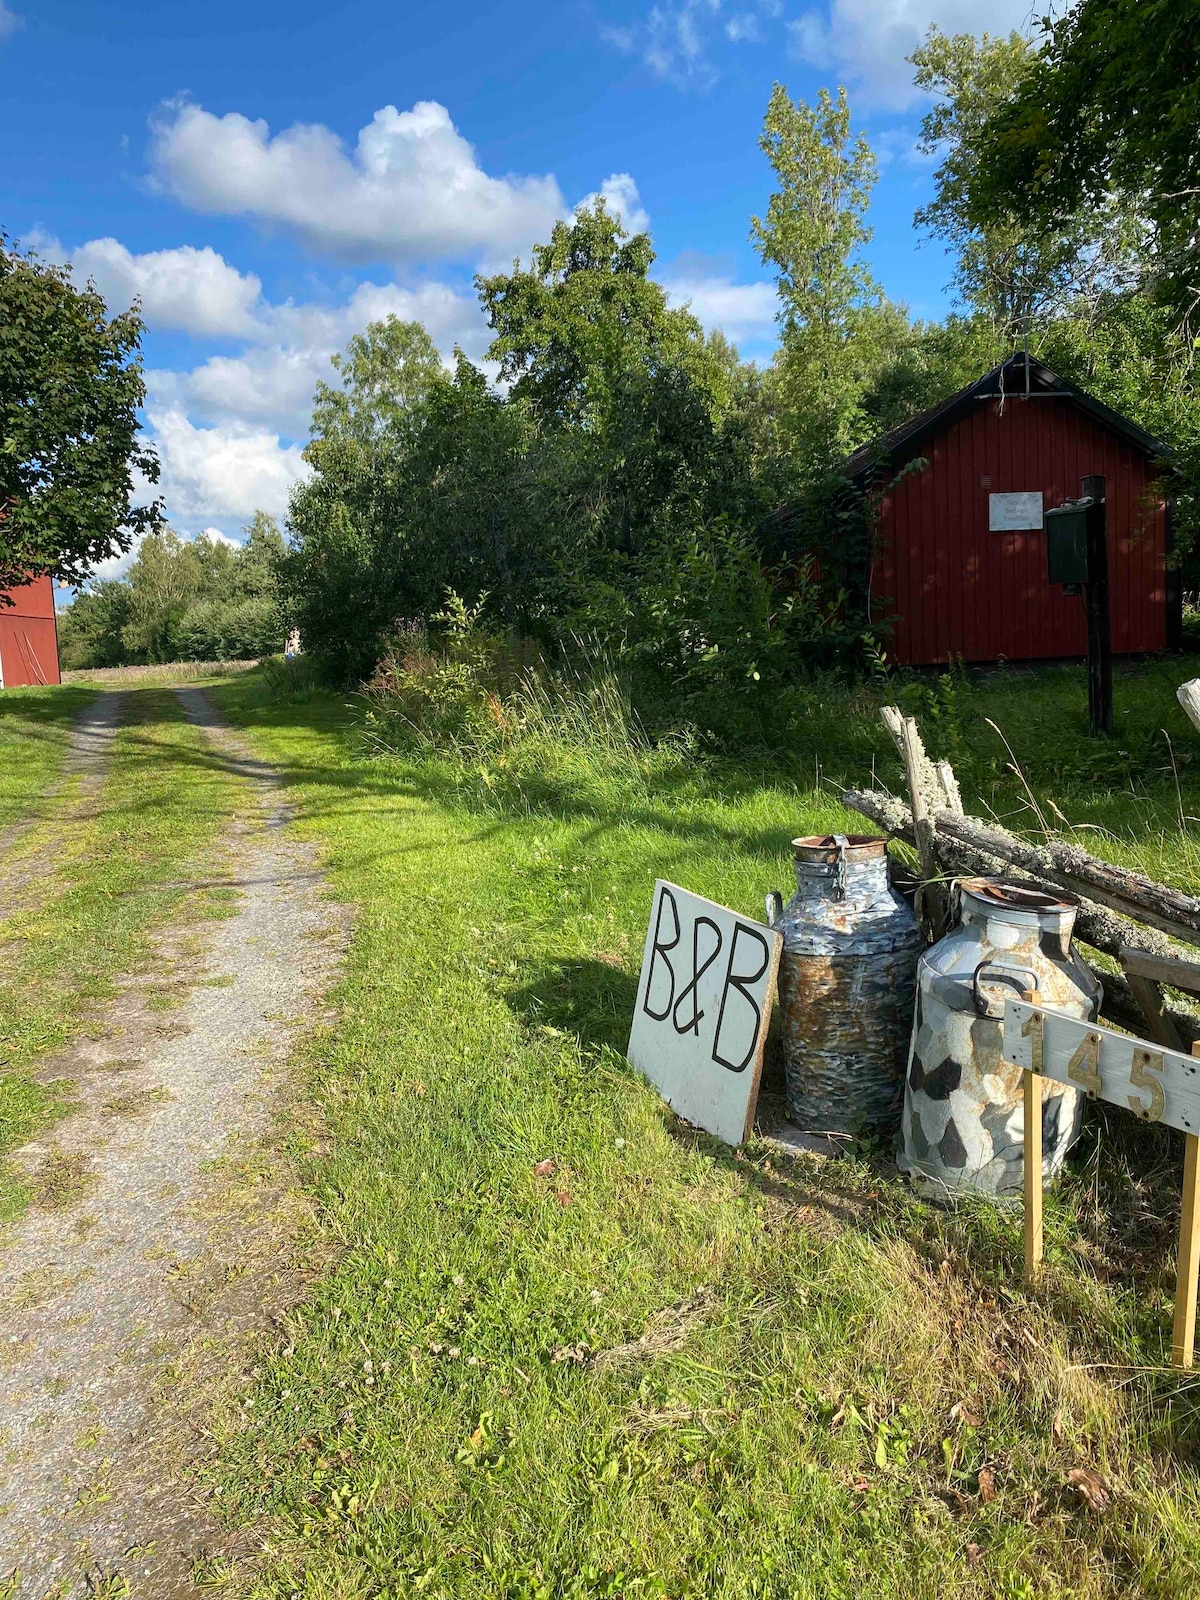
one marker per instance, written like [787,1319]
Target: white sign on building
[1009,513]
[703,1006]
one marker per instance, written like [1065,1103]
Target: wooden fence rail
[1132,919]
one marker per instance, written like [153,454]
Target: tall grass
[517,732]
[158,674]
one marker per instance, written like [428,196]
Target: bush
[524,734]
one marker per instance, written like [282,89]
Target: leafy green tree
[70,388]
[349,520]
[256,569]
[1109,110]
[833,323]
[619,420]
[387,372]
[90,629]
[168,574]
[1010,269]
[571,327]
[646,408]
[182,600]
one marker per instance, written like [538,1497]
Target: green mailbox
[1066,543]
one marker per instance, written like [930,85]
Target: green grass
[35,725]
[116,877]
[665,1368]
[157,676]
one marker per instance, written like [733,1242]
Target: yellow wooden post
[1187,1265]
[1033,1175]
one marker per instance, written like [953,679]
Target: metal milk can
[964,1122]
[846,981]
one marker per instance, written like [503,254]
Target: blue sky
[269,177]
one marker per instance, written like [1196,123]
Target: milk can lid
[996,893]
[825,848]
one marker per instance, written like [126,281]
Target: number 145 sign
[1155,1084]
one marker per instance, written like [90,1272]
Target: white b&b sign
[703,1005]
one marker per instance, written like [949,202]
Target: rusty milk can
[964,1122]
[846,980]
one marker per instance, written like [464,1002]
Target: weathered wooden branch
[1121,913]
[1095,925]
[932,789]
[1128,893]
[963,851]
[1122,1006]
[1172,970]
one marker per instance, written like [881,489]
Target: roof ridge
[946,410]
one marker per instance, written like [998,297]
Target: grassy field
[107,873]
[157,675]
[571,1348]
[35,725]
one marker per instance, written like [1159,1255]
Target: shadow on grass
[674,806]
[1123,1234]
[591,999]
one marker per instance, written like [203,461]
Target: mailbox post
[1077,558]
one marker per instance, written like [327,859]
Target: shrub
[525,734]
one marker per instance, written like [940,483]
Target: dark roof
[1008,378]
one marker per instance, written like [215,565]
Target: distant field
[164,673]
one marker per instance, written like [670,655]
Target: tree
[571,327]
[348,521]
[1110,109]
[814,233]
[1014,272]
[256,569]
[90,629]
[199,599]
[387,372]
[70,388]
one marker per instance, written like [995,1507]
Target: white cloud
[744,28]
[898,147]
[411,189]
[270,384]
[9,22]
[866,42]
[196,290]
[744,312]
[228,471]
[675,39]
[620,194]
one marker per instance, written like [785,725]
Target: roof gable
[1017,376]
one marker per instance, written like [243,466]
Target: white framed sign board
[703,1007]
[1011,513]
[1156,1084]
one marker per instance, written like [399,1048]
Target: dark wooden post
[1095,599]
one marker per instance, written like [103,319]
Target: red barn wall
[28,636]
[955,589]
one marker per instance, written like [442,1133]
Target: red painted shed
[960,552]
[28,636]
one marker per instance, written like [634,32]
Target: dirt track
[172,1232]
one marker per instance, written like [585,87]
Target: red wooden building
[28,636]
[960,553]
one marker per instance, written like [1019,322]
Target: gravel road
[160,1250]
